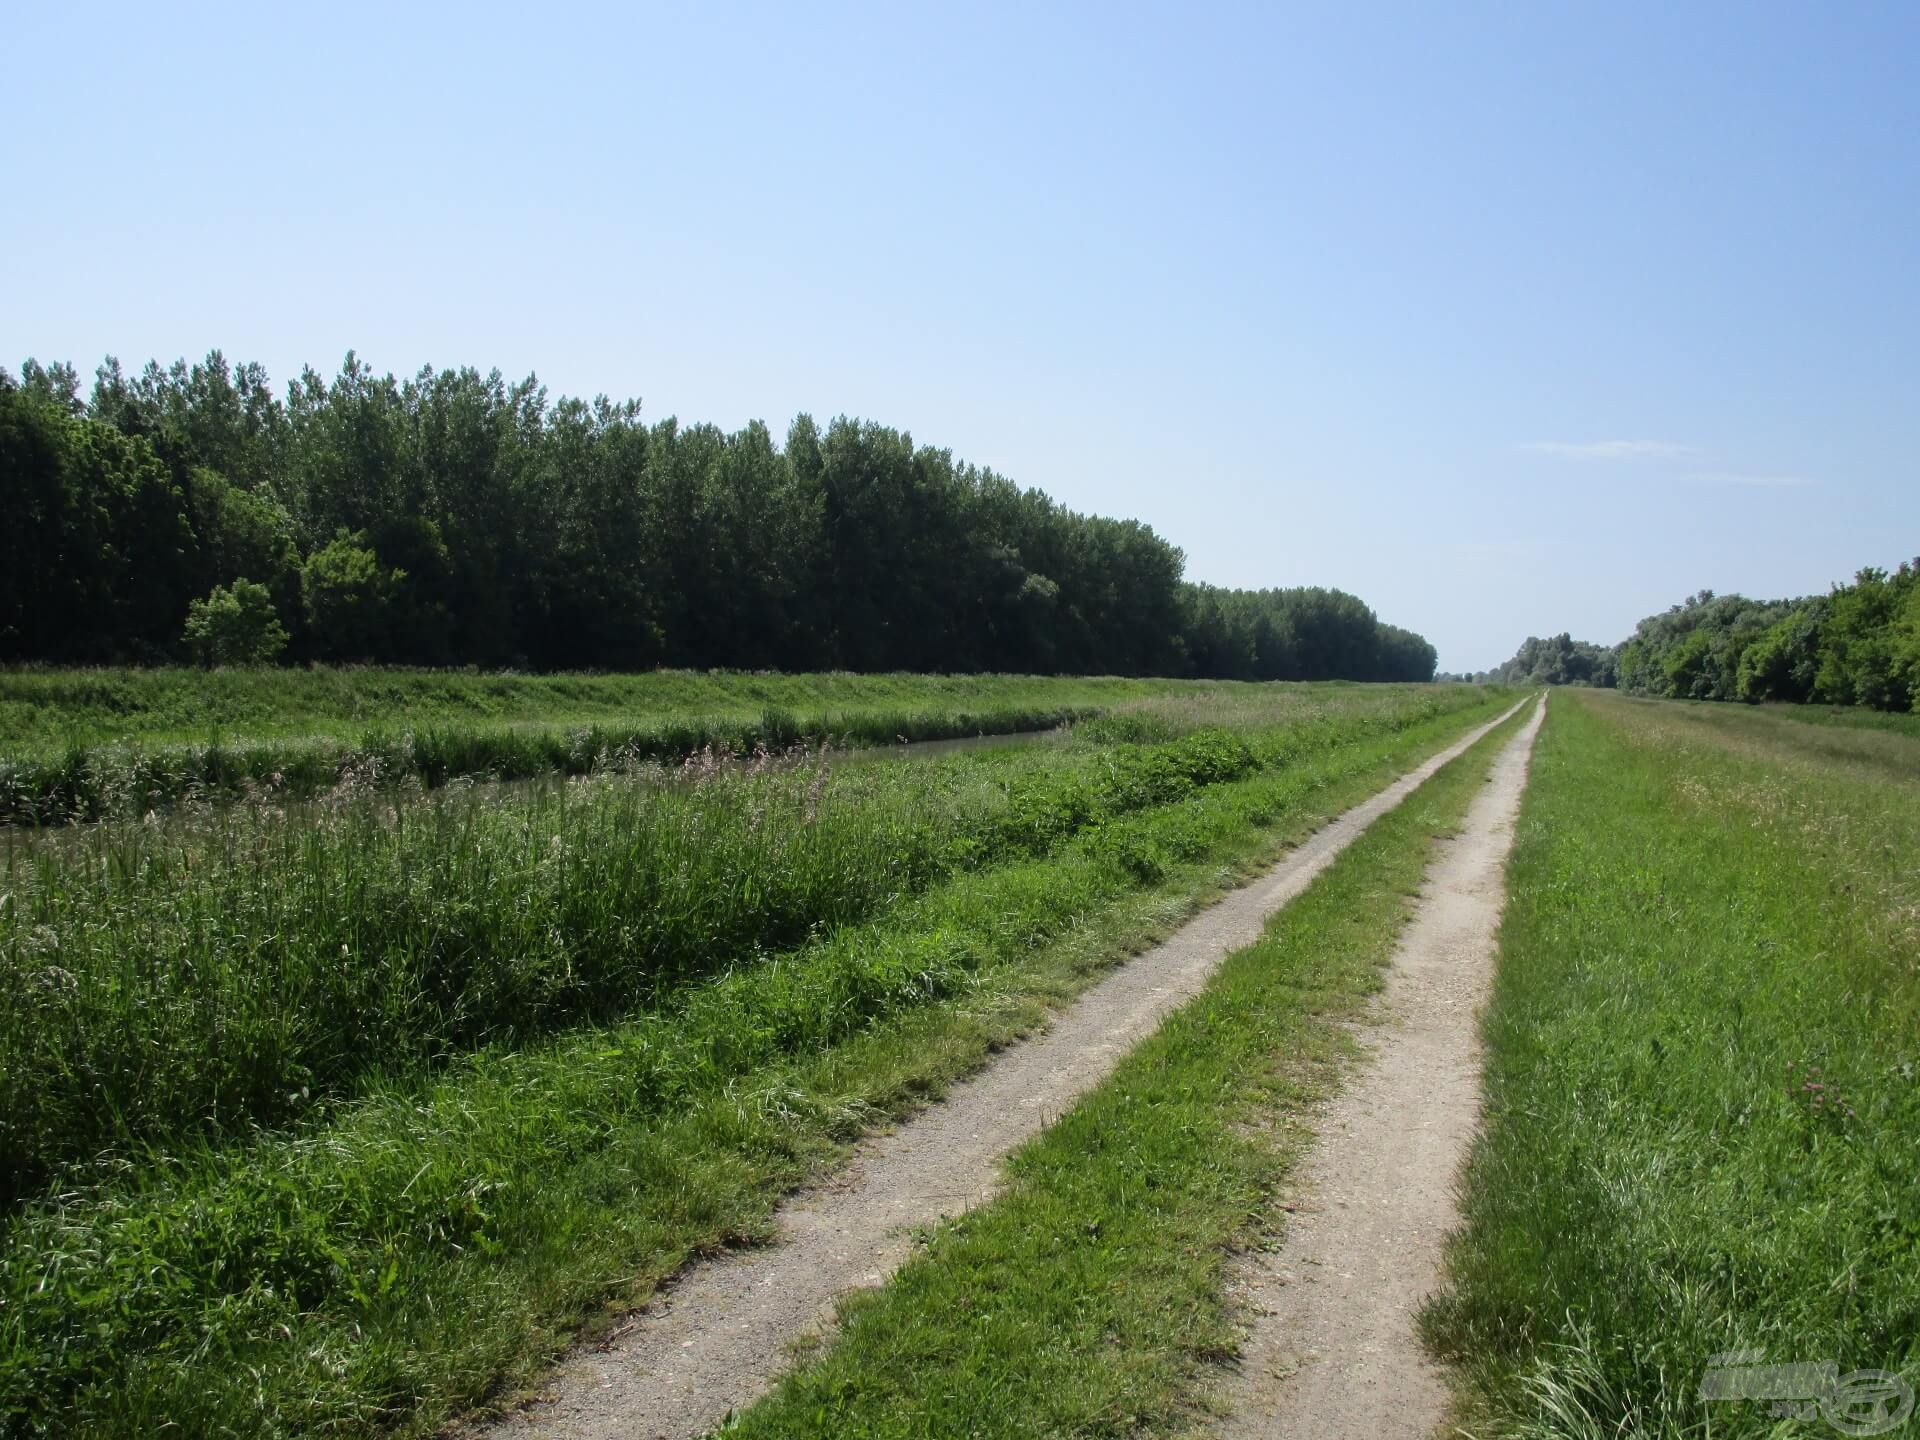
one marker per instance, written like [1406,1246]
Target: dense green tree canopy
[454,517]
[1858,645]
[235,625]
[1559,660]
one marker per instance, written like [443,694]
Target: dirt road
[718,1337]
[1333,1351]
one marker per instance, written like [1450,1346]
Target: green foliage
[1905,638]
[454,518]
[242,534]
[1297,634]
[1687,670]
[235,625]
[1782,661]
[96,549]
[1559,660]
[1852,647]
[350,596]
[1862,660]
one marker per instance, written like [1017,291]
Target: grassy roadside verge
[1088,1300]
[394,1265]
[1702,1085]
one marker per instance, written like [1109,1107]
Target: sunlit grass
[1091,1298]
[239,970]
[388,1257]
[90,744]
[51,709]
[1704,1082]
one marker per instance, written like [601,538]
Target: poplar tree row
[193,512]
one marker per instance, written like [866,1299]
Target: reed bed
[238,970]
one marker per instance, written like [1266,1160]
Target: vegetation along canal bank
[367,1187]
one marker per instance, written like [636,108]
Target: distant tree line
[1857,645]
[190,512]
[1558,660]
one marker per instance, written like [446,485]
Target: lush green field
[1852,717]
[87,744]
[243,969]
[518,1052]
[83,744]
[1704,1073]
[44,709]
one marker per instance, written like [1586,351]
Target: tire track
[1333,1351]
[716,1338]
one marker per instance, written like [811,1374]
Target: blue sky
[1510,319]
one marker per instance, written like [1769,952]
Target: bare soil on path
[1333,1351]
[717,1337]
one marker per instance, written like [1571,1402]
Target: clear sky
[1509,319]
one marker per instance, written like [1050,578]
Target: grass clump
[1704,1074]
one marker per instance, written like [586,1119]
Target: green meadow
[342,1114]
[1703,1074]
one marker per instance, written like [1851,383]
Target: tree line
[455,518]
[1559,660]
[1859,644]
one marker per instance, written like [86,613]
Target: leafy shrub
[235,625]
[349,597]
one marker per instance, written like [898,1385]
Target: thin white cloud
[1608,449]
[1730,477]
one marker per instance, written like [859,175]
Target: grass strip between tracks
[1089,1298]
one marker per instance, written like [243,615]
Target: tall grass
[80,745]
[376,1264]
[93,782]
[1704,1075]
[237,971]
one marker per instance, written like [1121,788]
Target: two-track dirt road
[1333,1351]
[717,1337]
